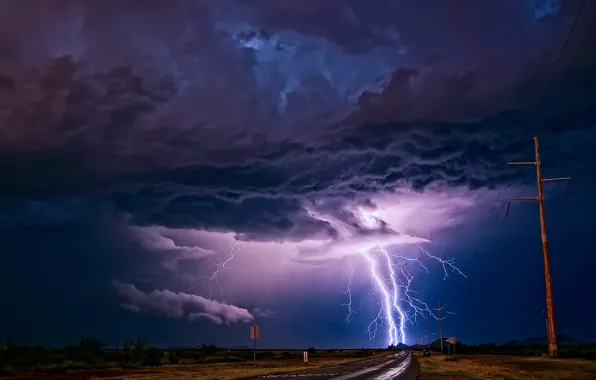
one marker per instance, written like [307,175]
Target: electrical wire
[490,214]
[541,98]
[552,74]
[504,217]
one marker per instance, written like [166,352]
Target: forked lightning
[218,267]
[398,303]
[390,278]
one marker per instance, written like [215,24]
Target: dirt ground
[221,371]
[493,367]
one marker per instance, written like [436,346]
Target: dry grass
[224,371]
[493,367]
[219,371]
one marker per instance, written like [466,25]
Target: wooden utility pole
[440,326]
[552,334]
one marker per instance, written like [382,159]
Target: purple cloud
[302,131]
[264,313]
[179,305]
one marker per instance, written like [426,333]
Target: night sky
[143,142]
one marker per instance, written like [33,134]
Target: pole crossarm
[556,179]
[567,188]
[518,199]
[522,163]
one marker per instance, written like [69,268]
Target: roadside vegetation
[577,351]
[493,367]
[510,361]
[90,356]
[132,359]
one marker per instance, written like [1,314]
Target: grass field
[224,371]
[219,371]
[493,367]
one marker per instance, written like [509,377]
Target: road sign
[254,335]
[305,356]
[254,332]
[451,342]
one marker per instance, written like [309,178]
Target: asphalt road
[400,366]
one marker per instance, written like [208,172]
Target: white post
[305,357]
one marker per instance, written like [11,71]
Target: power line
[504,207]
[540,99]
[552,74]
[551,77]
[587,35]
[521,194]
[490,214]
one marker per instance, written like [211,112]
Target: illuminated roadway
[400,366]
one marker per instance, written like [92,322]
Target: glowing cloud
[372,231]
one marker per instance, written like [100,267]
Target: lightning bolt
[348,291]
[218,267]
[398,303]
[390,277]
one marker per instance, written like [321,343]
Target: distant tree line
[92,353]
[88,353]
[583,351]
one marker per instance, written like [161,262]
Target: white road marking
[358,373]
[394,372]
[348,375]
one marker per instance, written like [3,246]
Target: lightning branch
[392,278]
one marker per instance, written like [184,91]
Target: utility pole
[546,320]
[440,326]
[552,334]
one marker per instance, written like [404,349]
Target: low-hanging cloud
[179,305]
[264,313]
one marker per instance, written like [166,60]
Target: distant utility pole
[440,326]
[552,335]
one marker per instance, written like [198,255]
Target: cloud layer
[306,131]
[179,305]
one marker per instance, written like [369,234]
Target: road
[400,366]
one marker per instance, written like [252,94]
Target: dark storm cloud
[278,121]
[143,136]
[356,26]
[252,218]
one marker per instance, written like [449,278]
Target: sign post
[254,335]
[452,341]
[305,357]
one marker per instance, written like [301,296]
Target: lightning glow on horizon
[391,278]
[398,303]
